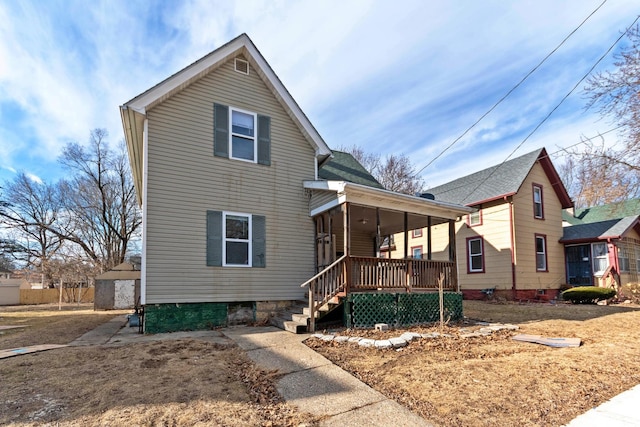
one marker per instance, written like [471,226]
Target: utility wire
[455,141]
[557,105]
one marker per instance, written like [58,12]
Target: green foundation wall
[160,318]
[364,310]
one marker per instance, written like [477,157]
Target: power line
[510,91]
[558,104]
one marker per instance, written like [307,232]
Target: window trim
[470,270]
[416,247]
[415,233]
[535,186]
[254,138]
[249,239]
[545,253]
[479,212]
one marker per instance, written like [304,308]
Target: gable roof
[602,230]
[344,167]
[133,112]
[500,181]
[603,212]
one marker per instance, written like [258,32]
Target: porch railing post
[312,308]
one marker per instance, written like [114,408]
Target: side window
[416,252]
[541,252]
[538,208]
[475,218]
[241,135]
[416,233]
[475,255]
[235,239]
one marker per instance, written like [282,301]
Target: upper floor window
[475,218]
[541,252]
[416,233]
[241,135]
[475,255]
[538,208]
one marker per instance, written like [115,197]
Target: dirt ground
[495,381]
[170,383]
[449,381]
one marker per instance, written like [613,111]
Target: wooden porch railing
[368,273]
[324,286]
[380,273]
[611,278]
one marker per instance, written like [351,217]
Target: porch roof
[603,230]
[384,199]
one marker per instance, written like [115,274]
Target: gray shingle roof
[612,228]
[488,184]
[344,167]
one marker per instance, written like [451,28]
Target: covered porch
[355,229]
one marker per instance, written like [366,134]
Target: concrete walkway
[315,385]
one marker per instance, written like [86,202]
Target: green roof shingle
[344,167]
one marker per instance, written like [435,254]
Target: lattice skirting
[364,310]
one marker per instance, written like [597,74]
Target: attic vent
[242,66]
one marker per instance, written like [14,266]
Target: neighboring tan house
[243,201]
[510,245]
[602,244]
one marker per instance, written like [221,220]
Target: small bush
[587,294]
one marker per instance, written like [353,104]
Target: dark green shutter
[264,140]
[258,241]
[220,130]
[214,238]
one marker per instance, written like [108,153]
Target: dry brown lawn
[170,383]
[449,381]
[495,381]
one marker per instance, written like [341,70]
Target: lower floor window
[600,258]
[475,255]
[237,239]
[416,252]
[541,253]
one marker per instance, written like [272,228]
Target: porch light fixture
[363,221]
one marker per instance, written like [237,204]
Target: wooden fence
[48,296]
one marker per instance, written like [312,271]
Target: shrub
[587,294]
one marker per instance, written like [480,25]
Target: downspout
[513,248]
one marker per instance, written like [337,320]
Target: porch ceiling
[392,205]
[363,218]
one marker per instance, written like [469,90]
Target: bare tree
[614,168]
[593,179]
[395,172]
[100,196]
[32,209]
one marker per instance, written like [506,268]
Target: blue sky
[392,77]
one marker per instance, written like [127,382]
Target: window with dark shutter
[264,140]
[214,238]
[220,130]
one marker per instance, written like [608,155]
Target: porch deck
[354,274]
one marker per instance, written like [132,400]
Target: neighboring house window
[388,243]
[416,233]
[538,208]
[241,135]
[541,252]
[416,252]
[475,255]
[623,259]
[235,239]
[600,257]
[637,259]
[475,218]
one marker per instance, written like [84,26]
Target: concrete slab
[287,359]
[2,328]
[131,336]
[101,334]
[620,411]
[251,338]
[326,390]
[382,414]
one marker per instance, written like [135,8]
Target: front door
[579,265]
